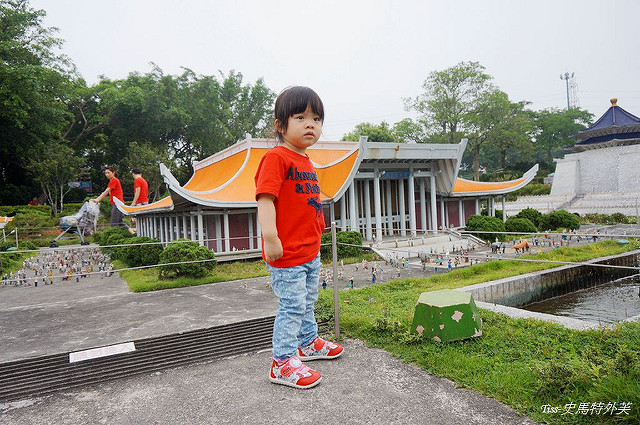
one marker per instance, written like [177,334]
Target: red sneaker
[293,374]
[320,349]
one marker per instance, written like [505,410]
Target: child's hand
[272,249]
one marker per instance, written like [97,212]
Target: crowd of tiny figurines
[60,265]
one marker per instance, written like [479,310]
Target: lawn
[527,364]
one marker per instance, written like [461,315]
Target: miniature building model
[600,174]
[378,189]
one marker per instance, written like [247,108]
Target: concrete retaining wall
[524,289]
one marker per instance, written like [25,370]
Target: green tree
[34,86]
[408,130]
[147,158]
[555,128]
[450,99]
[54,166]
[375,133]
[499,124]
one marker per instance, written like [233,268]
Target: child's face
[303,131]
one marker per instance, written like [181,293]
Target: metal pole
[336,303]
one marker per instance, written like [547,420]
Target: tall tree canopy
[450,101]
[555,128]
[34,84]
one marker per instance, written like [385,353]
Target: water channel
[608,302]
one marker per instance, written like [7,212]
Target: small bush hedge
[615,218]
[524,225]
[484,223]
[138,255]
[186,251]
[532,215]
[11,210]
[560,219]
[344,251]
[112,236]
[32,219]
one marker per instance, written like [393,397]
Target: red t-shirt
[116,190]
[144,190]
[291,178]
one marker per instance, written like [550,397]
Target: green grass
[523,363]
[143,280]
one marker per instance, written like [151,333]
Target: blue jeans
[297,291]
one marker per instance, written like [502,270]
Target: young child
[291,219]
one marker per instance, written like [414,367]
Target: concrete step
[47,374]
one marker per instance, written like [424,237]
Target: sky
[364,57]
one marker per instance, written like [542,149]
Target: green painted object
[446,315]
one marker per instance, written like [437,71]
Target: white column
[161,225]
[367,210]
[477,206]
[401,208]
[218,226]
[412,202]
[423,207]
[184,225]
[192,226]
[389,204]
[376,204]
[442,213]
[434,205]
[504,209]
[461,213]
[154,227]
[200,227]
[343,212]
[352,207]
[174,228]
[258,233]
[250,219]
[227,241]
[168,229]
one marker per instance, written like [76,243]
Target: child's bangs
[297,99]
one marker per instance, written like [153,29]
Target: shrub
[27,245]
[532,215]
[484,223]
[344,251]
[186,251]
[112,233]
[560,219]
[32,219]
[138,255]
[11,210]
[524,225]
[498,213]
[618,218]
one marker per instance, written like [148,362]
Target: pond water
[604,303]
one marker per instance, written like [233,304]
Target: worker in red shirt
[140,188]
[114,190]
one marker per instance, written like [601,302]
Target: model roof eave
[335,163]
[464,187]
[163,205]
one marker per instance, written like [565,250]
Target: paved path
[365,386]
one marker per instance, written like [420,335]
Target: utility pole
[567,77]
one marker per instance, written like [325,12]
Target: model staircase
[48,374]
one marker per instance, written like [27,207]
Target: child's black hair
[295,100]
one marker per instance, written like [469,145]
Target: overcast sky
[363,57]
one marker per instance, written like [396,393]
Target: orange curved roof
[221,171]
[161,205]
[463,185]
[228,178]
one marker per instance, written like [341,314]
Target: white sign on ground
[95,353]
